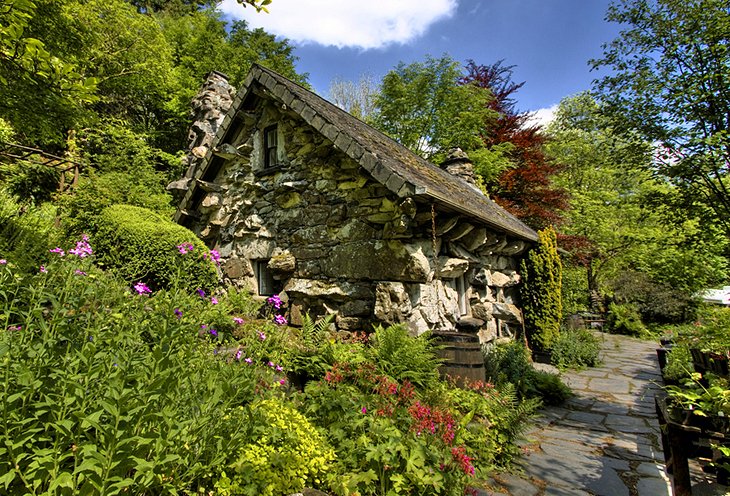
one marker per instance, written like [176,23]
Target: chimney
[457,164]
[207,111]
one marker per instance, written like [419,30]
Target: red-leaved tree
[525,190]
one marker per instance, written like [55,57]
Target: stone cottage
[302,199]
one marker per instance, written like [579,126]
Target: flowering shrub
[139,245]
[106,391]
[388,438]
[284,453]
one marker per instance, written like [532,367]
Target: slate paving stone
[654,486]
[604,437]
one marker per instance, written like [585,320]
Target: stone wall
[342,243]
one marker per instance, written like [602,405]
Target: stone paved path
[604,441]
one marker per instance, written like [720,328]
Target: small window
[267,285]
[461,287]
[270,147]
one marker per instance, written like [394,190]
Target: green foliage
[667,75]
[403,357]
[575,348]
[622,215]
[33,76]
[104,390]
[541,292]
[657,303]
[679,363]
[423,107]
[30,181]
[284,454]
[27,232]
[314,354]
[510,363]
[7,133]
[140,245]
[625,319]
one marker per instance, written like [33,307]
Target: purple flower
[279,368]
[248,360]
[59,251]
[271,364]
[83,248]
[79,272]
[213,333]
[238,354]
[282,381]
[185,248]
[142,288]
[213,300]
[274,301]
[3,261]
[262,336]
[178,313]
[214,256]
[364,410]
[237,320]
[280,319]
[15,328]
[200,292]
[43,269]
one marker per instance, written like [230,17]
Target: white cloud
[543,116]
[361,24]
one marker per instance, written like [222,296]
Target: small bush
[575,349]
[679,363]
[403,357]
[284,454]
[139,245]
[27,232]
[510,363]
[625,319]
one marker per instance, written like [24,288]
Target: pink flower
[83,248]
[274,301]
[142,288]
[3,261]
[262,336]
[43,269]
[238,354]
[279,368]
[59,251]
[79,272]
[248,360]
[214,256]
[185,248]
[282,381]
[364,410]
[237,320]
[280,319]
[213,300]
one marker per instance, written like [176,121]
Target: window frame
[269,149]
[266,284]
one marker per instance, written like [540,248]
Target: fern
[314,334]
[403,357]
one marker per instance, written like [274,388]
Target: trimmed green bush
[541,292]
[139,245]
[625,319]
[576,349]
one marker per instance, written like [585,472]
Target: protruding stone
[284,263]
[450,268]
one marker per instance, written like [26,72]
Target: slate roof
[393,165]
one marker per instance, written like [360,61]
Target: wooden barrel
[461,355]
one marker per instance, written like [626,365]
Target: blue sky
[548,41]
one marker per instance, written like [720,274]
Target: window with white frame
[271,143]
[461,287]
[266,283]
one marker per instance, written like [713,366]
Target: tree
[619,219]
[670,80]
[33,77]
[356,98]
[525,187]
[423,107]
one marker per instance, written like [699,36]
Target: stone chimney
[208,109]
[457,164]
